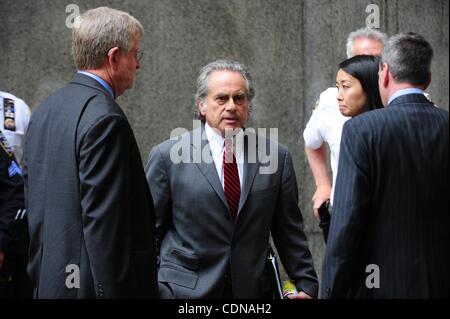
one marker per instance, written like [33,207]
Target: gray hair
[408,56]
[100,30]
[368,33]
[222,65]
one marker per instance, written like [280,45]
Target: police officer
[14,281]
[14,119]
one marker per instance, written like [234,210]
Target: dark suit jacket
[391,204]
[198,245]
[87,197]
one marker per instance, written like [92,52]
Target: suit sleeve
[104,170]
[349,215]
[288,234]
[158,182]
[11,199]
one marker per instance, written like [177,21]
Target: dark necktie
[232,186]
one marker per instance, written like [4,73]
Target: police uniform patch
[9,114]
[14,169]
[5,145]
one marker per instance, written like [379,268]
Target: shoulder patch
[14,169]
[9,115]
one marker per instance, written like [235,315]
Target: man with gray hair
[216,205]
[389,235]
[325,124]
[90,210]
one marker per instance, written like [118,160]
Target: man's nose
[230,106]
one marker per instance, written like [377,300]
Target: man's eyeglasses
[138,54]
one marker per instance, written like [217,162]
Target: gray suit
[87,198]
[197,243]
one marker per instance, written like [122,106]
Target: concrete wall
[292,48]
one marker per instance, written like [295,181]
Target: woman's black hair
[365,69]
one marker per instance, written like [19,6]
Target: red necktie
[232,186]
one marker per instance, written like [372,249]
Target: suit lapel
[250,170]
[207,169]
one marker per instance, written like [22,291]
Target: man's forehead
[368,46]
[225,78]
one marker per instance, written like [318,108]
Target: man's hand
[321,195]
[299,295]
[317,159]
[2,259]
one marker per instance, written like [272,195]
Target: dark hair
[365,69]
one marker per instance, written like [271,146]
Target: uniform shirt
[17,115]
[325,125]
[216,144]
[11,194]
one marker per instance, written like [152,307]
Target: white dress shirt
[216,144]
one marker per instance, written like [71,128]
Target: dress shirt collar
[216,144]
[404,92]
[100,80]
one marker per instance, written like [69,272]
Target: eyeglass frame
[138,54]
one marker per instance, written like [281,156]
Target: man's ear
[201,106]
[428,81]
[113,57]
[385,74]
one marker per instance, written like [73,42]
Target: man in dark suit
[389,235]
[217,203]
[91,215]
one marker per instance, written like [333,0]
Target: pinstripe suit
[391,204]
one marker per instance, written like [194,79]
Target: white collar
[215,140]
[216,144]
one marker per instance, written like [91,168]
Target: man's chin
[232,130]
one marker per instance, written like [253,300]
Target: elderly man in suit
[389,235]
[216,205]
[91,215]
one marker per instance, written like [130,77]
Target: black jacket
[11,201]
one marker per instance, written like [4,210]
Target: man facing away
[216,205]
[389,235]
[90,211]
